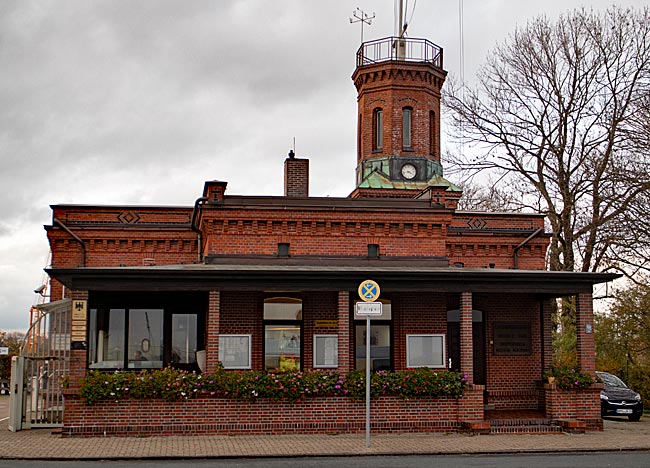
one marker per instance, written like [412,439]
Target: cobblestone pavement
[43,444]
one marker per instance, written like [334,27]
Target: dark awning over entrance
[327,274]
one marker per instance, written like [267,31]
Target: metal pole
[367,381]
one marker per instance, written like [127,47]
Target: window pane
[282,308]
[326,351]
[432,132]
[378,135]
[379,347]
[183,339]
[145,338]
[106,338]
[406,127]
[282,347]
[235,351]
[425,351]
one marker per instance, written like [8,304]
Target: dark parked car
[617,399]
[4,387]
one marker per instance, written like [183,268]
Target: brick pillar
[344,332]
[585,333]
[547,333]
[212,335]
[78,357]
[466,340]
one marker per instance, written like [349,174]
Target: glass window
[326,351]
[380,339]
[407,142]
[107,330]
[282,333]
[282,347]
[235,351]
[380,350]
[377,129]
[147,331]
[432,132]
[282,308]
[145,338]
[425,351]
[184,332]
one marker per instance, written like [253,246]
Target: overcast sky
[140,102]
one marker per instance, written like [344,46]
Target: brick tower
[398,83]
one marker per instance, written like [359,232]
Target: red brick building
[270,282]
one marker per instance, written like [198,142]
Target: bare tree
[561,116]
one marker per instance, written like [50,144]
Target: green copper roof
[377,180]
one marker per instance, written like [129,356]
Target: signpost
[369,293]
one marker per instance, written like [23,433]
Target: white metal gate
[42,369]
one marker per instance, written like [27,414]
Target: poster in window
[235,351]
[326,351]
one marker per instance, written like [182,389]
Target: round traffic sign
[369,291]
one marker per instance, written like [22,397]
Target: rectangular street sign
[369,308]
[4,350]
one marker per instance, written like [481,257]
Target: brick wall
[582,405]
[392,86]
[512,379]
[311,415]
[417,313]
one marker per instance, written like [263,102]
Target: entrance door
[478,339]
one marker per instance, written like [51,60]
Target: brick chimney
[296,177]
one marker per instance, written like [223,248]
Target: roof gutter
[75,237]
[195,214]
[515,254]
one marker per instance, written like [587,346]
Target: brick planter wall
[309,416]
[581,405]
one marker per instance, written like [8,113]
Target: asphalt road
[587,460]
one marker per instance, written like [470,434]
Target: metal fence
[45,363]
[399,49]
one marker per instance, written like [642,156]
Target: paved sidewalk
[42,444]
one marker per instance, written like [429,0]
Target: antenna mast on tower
[401,23]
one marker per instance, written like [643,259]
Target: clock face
[409,171]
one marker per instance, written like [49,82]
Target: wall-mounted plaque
[511,338]
[326,323]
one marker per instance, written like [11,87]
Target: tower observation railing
[399,50]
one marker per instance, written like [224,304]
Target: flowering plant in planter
[568,378]
[173,385]
[420,382]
